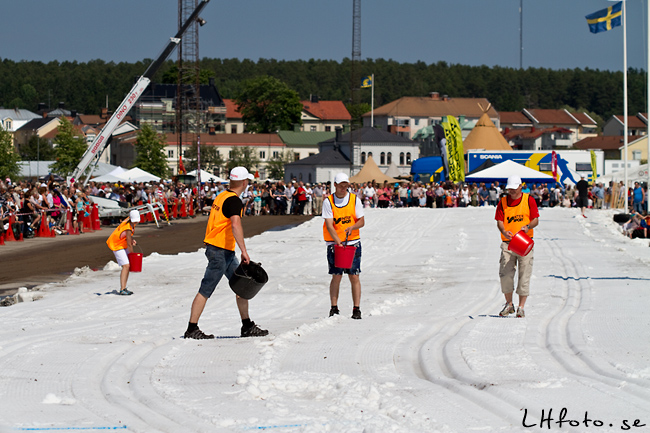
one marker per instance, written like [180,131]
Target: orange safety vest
[219,230]
[115,241]
[515,217]
[344,217]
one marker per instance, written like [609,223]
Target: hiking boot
[197,334]
[125,292]
[333,311]
[508,309]
[356,313]
[520,312]
[253,331]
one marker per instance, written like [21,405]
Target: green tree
[268,105]
[275,167]
[356,112]
[37,149]
[210,158]
[8,156]
[150,152]
[243,157]
[70,147]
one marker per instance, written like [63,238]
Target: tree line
[86,87]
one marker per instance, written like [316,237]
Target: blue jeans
[356,262]
[639,207]
[220,262]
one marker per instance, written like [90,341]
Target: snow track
[426,357]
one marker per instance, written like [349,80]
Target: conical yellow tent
[371,172]
[485,136]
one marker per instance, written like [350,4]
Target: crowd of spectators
[63,204]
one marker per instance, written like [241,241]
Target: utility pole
[521,34]
[355,79]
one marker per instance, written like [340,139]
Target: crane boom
[101,141]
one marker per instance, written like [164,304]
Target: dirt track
[42,260]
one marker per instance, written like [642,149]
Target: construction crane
[102,140]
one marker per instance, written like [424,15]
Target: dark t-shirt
[582,187]
[232,206]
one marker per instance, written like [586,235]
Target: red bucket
[521,244]
[344,256]
[135,260]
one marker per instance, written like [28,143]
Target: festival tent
[634,174]
[208,177]
[113,176]
[392,170]
[501,172]
[485,136]
[487,164]
[138,175]
[371,172]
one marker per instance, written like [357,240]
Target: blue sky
[471,32]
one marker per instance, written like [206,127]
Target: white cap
[341,177]
[134,216]
[240,173]
[513,182]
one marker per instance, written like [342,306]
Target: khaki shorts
[509,264]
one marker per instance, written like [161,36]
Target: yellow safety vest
[344,217]
[219,229]
[115,241]
[515,217]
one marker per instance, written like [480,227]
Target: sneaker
[125,292]
[508,309]
[197,334]
[356,313]
[253,331]
[520,312]
[333,311]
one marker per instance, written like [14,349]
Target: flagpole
[627,205]
[647,136]
[372,102]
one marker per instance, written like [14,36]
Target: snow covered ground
[426,357]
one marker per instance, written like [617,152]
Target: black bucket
[248,279]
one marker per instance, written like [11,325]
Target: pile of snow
[428,355]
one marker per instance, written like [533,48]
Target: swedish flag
[605,19]
[366,82]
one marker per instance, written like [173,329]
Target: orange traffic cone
[97,225]
[183,208]
[10,233]
[2,239]
[192,208]
[175,209]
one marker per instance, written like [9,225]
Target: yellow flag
[455,153]
[593,167]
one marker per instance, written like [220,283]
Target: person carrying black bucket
[515,212]
[223,232]
[343,215]
[121,242]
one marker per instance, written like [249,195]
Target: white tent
[634,174]
[208,177]
[113,176]
[138,175]
[392,170]
[501,172]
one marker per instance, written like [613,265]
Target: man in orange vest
[516,211]
[121,242]
[343,215]
[224,230]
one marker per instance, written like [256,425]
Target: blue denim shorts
[220,262]
[356,262]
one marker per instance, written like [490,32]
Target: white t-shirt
[369,191]
[342,202]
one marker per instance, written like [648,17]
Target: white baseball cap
[513,182]
[134,216]
[341,177]
[240,173]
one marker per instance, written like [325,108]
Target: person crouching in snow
[121,242]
